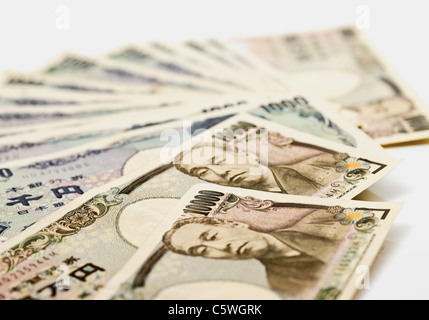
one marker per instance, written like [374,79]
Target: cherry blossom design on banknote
[248,155]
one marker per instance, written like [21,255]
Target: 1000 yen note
[70,237]
[226,243]
[58,166]
[34,188]
[46,140]
[342,66]
[228,67]
[145,57]
[22,96]
[25,119]
[22,80]
[82,127]
[299,111]
[289,162]
[249,152]
[73,252]
[72,65]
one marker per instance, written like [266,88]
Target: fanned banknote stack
[216,169]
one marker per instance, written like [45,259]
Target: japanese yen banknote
[223,243]
[204,169]
[342,66]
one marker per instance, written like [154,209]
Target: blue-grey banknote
[299,113]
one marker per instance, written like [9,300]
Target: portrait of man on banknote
[387,113]
[272,162]
[294,257]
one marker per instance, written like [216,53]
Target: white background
[29,38]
